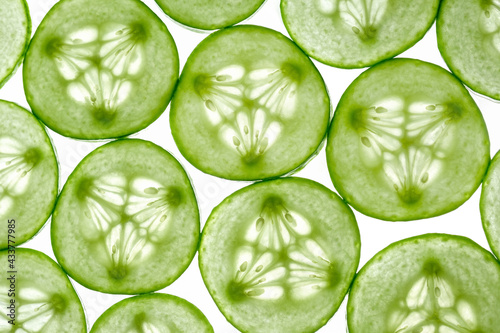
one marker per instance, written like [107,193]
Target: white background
[375,234]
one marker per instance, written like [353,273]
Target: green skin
[407,142]
[467,33]
[97,72]
[29,173]
[490,197]
[280,255]
[211,14]
[43,293]
[127,220]
[15,32]
[357,33]
[450,281]
[153,311]
[270,120]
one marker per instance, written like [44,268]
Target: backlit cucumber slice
[249,105]
[153,313]
[100,69]
[433,283]
[209,14]
[280,255]
[469,40]
[15,34]
[127,220]
[407,142]
[490,205]
[28,174]
[43,297]
[357,33]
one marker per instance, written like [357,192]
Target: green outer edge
[205,28]
[58,175]
[396,52]
[160,110]
[26,44]
[401,242]
[493,163]
[448,61]
[176,299]
[295,168]
[63,276]
[339,187]
[194,250]
[245,189]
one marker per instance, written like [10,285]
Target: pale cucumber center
[489,23]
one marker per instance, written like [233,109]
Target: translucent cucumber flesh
[489,205]
[152,313]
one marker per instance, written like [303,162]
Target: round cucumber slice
[407,142]
[357,33]
[249,105]
[97,70]
[43,298]
[490,205]
[152,313]
[15,34]
[127,219]
[433,283]
[280,255]
[468,35]
[209,14]
[29,174]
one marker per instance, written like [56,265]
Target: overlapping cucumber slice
[469,40]
[433,283]
[127,220]
[280,255]
[44,299]
[100,69]
[209,14]
[407,142]
[490,205]
[15,34]
[249,105]
[357,33]
[152,313]
[28,174]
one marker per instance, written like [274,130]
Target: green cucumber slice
[209,14]
[15,34]
[249,105]
[357,33]
[280,255]
[127,220]
[152,313]
[29,174]
[468,35]
[407,142]
[97,70]
[490,203]
[434,283]
[44,299]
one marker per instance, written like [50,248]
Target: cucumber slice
[357,33]
[209,14]
[433,283]
[127,219]
[29,174]
[249,105]
[407,142]
[15,34]
[489,205]
[44,299]
[152,313]
[280,255]
[468,35]
[97,70]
